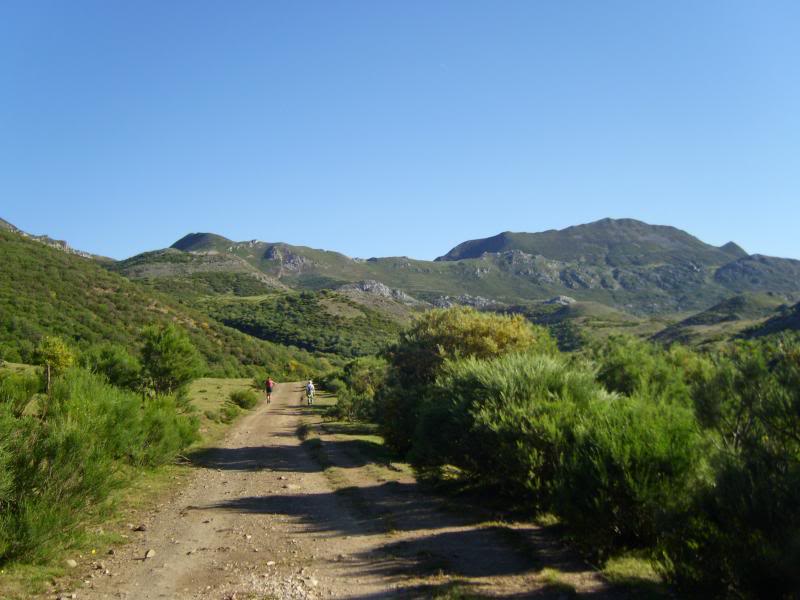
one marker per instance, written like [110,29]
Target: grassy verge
[16,367]
[108,525]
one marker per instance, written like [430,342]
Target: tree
[169,359]
[56,357]
[115,362]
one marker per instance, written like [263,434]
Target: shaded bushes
[61,463]
[744,533]
[545,433]
[356,386]
[692,458]
[119,367]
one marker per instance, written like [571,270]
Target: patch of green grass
[555,581]
[17,368]
[351,428]
[637,575]
[454,590]
[210,396]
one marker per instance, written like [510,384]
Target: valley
[529,415]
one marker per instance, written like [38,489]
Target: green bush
[246,399]
[58,465]
[169,359]
[115,363]
[228,412]
[504,422]
[632,366]
[630,473]
[438,336]
[17,391]
[744,532]
[356,387]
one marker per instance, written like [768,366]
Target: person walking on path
[269,386]
[310,392]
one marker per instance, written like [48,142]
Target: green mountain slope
[317,321]
[610,242]
[574,323]
[629,265]
[47,291]
[786,318]
[722,321]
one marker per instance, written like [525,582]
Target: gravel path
[267,515]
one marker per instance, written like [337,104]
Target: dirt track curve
[266,515]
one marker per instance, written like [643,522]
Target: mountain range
[591,280]
[626,264]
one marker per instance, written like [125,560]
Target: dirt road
[267,515]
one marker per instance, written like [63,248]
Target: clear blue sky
[398,128]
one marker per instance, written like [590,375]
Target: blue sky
[398,128]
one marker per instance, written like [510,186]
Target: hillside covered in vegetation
[626,264]
[45,291]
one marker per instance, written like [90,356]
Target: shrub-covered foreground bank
[693,458]
[62,453]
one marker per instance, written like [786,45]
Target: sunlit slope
[44,291]
[630,265]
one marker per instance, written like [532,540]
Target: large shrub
[744,533]
[633,366]
[169,359]
[619,470]
[438,336]
[60,463]
[505,422]
[356,386]
[630,473]
[112,360]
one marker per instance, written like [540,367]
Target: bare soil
[268,515]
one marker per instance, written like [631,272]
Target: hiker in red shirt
[269,385]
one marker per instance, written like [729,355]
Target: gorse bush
[632,366]
[629,474]
[505,422]
[60,464]
[169,359]
[438,336]
[356,386]
[745,528]
[17,391]
[246,399]
[693,458]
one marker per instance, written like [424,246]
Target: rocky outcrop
[561,300]
[48,241]
[478,302]
[376,288]
[287,260]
